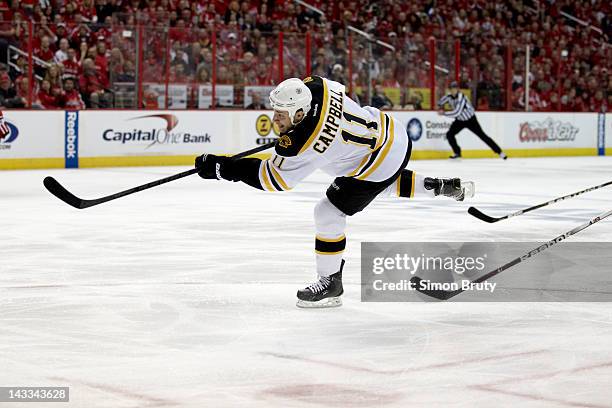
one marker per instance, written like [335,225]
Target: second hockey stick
[66,196]
[487,218]
[447,294]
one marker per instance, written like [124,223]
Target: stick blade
[482,216]
[55,188]
[434,293]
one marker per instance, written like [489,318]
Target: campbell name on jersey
[337,136]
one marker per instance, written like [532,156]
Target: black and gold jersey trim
[276,186]
[330,246]
[304,133]
[406,184]
[274,175]
[271,180]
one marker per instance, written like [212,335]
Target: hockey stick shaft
[444,295]
[487,218]
[66,196]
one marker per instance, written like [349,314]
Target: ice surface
[183,296]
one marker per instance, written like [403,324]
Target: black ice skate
[325,292]
[454,188]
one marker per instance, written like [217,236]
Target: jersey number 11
[364,140]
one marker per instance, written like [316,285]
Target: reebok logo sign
[71,132]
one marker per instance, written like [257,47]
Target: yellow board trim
[412,188]
[609,151]
[42,163]
[385,151]
[512,153]
[398,181]
[119,161]
[329,253]
[315,133]
[264,176]
[278,177]
[331,239]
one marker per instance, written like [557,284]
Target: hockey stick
[66,196]
[487,218]
[447,294]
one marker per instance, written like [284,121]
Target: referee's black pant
[472,124]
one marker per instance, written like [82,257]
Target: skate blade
[327,302]
[469,189]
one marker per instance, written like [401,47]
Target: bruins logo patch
[284,141]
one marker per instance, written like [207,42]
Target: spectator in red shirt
[209,15]
[554,102]
[151,99]
[576,102]
[264,75]
[535,102]
[42,30]
[179,33]
[567,100]
[71,98]
[80,34]
[54,76]
[92,86]
[23,90]
[101,59]
[249,63]
[61,31]
[597,102]
[47,97]
[88,11]
[71,66]
[44,52]
[105,34]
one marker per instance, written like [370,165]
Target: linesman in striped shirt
[465,117]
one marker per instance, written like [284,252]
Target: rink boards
[71,139]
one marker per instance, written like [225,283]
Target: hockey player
[366,149]
[4,129]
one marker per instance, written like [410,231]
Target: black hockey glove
[211,166]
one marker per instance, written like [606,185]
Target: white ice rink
[184,296]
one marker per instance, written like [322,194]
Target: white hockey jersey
[339,137]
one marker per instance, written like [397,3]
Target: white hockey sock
[408,185]
[330,240]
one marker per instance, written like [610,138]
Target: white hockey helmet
[291,95]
